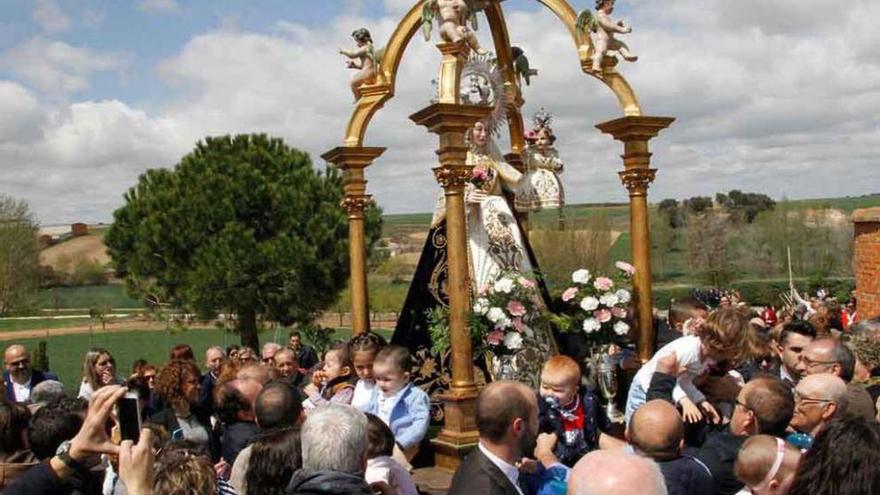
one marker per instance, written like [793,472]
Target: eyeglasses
[742,405]
[21,363]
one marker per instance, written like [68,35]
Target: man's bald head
[823,386]
[614,471]
[18,363]
[500,404]
[656,430]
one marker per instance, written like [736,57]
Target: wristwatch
[63,454]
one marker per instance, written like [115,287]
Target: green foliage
[438,329]
[745,206]
[112,295]
[243,224]
[697,204]
[19,256]
[319,337]
[708,250]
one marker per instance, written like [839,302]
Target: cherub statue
[541,187]
[604,27]
[453,17]
[364,57]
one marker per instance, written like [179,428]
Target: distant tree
[697,204]
[243,224]
[708,254]
[746,206]
[670,209]
[19,255]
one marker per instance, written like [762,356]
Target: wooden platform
[432,480]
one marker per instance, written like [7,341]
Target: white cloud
[48,14]
[782,106]
[158,5]
[56,68]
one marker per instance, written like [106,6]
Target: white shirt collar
[393,398]
[784,375]
[510,471]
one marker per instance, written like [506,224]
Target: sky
[773,96]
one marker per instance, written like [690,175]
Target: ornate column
[353,161]
[637,176]
[450,120]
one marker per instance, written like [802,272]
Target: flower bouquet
[481,176]
[597,306]
[502,315]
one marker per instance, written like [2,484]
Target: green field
[111,295]
[7,324]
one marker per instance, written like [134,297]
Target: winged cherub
[364,57]
[454,16]
[604,29]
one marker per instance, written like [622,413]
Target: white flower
[504,285]
[609,299]
[481,306]
[513,340]
[592,325]
[503,323]
[621,328]
[581,276]
[496,314]
[623,296]
[589,303]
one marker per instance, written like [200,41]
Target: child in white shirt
[364,348]
[722,337]
[381,467]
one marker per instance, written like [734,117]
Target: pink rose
[626,268]
[603,315]
[516,308]
[569,294]
[479,173]
[495,337]
[518,325]
[528,284]
[618,312]
[603,283]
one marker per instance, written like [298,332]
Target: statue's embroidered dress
[540,188]
[496,244]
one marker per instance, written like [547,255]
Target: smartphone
[129,414]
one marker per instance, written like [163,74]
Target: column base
[459,435]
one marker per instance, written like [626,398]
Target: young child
[766,464]
[364,348]
[380,465]
[682,312]
[334,382]
[405,408]
[723,336]
[570,410]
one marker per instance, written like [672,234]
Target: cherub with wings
[603,28]
[364,57]
[453,17]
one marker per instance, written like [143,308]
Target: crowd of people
[731,403]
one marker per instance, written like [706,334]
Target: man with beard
[19,377]
[507,419]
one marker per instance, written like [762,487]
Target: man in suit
[305,355]
[507,419]
[789,345]
[214,358]
[19,377]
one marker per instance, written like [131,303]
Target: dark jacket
[478,476]
[41,480]
[306,357]
[718,453]
[595,421]
[687,476]
[235,437]
[306,482]
[206,393]
[168,420]
[665,334]
[37,376]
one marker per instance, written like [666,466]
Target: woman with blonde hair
[98,370]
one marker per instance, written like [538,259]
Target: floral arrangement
[502,315]
[597,305]
[480,176]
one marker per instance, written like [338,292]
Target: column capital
[355,205]
[444,118]
[637,180]
[453,177]
[353,157]
[635,128]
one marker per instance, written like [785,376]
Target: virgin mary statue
[496,245]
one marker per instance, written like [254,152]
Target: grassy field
[7,325]
[112,295]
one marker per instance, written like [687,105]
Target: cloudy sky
[774,96]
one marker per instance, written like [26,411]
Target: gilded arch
[374,96]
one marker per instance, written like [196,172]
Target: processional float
[450,115]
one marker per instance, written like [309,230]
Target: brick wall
[867,261]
